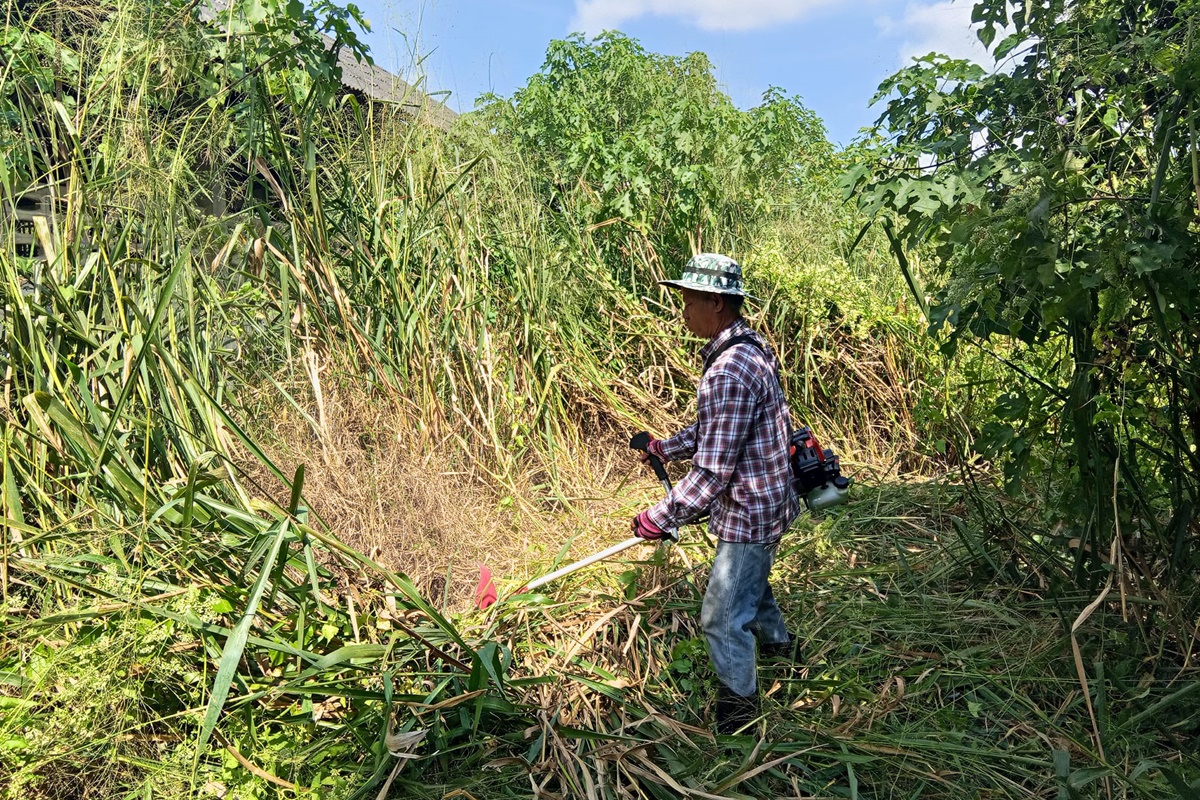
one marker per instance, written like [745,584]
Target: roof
[370,80]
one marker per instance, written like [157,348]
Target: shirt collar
[736,328]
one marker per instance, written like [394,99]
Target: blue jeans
[738,606]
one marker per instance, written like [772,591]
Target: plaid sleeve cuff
[690,498]
[660,515]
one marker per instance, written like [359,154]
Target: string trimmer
[485,592]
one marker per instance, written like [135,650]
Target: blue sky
[833,54]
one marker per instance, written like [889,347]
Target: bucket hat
[711,272]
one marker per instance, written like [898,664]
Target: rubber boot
[781,652]
[734,711]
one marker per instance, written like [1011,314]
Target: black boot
[786,652]
[734,711]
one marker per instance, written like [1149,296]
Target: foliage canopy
[649,141]
[1061,196]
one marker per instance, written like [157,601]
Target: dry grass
[419,505]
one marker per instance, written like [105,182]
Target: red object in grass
[485,592]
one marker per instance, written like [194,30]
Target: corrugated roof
[370,80]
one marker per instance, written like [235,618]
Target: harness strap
[736,340]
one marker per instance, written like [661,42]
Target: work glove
[653,448]
[643,528]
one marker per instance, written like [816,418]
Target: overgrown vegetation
[1061,198]
[294,361]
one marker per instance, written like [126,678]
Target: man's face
[703,312]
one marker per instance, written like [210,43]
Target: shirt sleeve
[726,410]
[682,445]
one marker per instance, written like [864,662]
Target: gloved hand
[642,527]
[653,448]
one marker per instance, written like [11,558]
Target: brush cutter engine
[816,472]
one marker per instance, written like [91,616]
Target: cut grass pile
[923,675]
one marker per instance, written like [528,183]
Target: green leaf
[914,282]
[487,661]
[297,486]
[1082,777]
[164,299]
[350,651]
[236,643]
[927,204]
[1111,119]
[1186,791]
[254,11]
[222,606]
[1146,257]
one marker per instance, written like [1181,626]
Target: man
[739,447]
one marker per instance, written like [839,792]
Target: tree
[621,135]
[1061,201]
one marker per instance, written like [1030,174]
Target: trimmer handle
[641,441]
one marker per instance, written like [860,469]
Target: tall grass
[130,531]
[140,560]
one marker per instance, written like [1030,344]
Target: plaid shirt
[739,447]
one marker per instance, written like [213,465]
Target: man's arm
[680,446]
[726,411]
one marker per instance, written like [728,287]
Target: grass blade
[236,643]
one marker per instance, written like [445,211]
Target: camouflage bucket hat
[710,272]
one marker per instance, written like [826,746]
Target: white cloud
[941,27]
[594,16]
